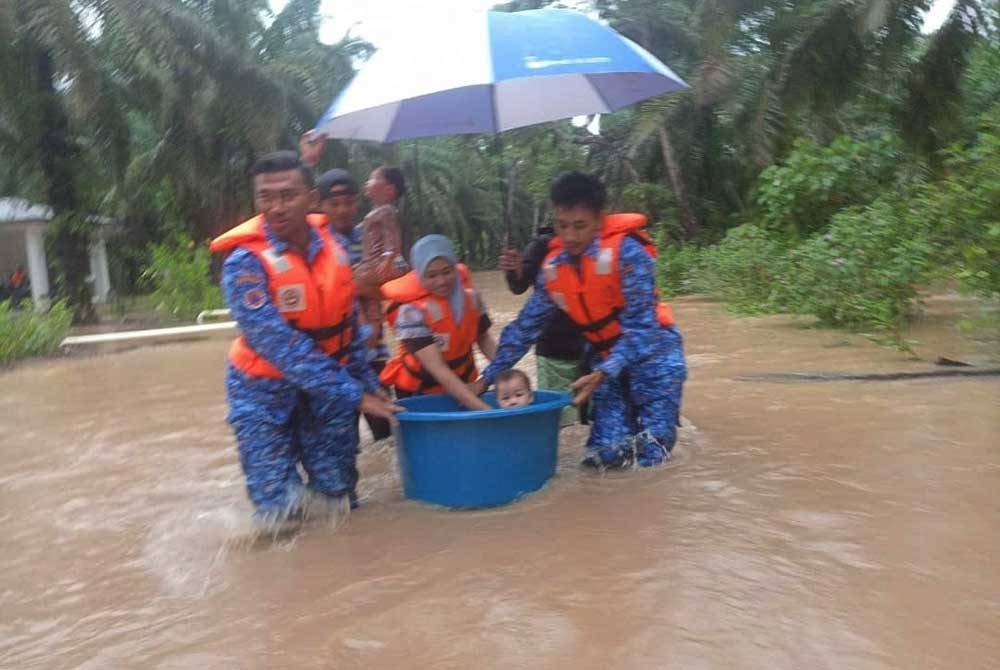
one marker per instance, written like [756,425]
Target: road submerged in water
[838,525]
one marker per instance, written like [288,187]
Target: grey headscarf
[425,250]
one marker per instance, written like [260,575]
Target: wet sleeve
[638,320]
[412,330]
[245,287]
[531,262]
[357,362]
[517,338]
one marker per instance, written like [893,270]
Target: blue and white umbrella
[495,71]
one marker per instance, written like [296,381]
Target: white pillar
[38,269]
[99,270]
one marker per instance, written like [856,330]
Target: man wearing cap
[338,200]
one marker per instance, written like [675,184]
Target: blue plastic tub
[458,458]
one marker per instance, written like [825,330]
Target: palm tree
[221,86]
[763,73]
[51,73]
[212,83]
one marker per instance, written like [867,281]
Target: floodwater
[801,525]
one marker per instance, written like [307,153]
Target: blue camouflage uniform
[636,407]
[307,417]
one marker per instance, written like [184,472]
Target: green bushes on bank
[25,333]
[861,242]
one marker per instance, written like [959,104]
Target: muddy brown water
[834,525]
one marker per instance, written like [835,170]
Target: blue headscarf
[425,250]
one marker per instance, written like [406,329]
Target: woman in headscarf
[438,316]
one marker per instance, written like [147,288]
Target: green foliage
[799,196]
[679,270]
[180,274]
[24,333]
[655,201]
[965,208]
[864,272]
[161,109]
[744,269]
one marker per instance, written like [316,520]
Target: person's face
[341,210]
[439,277]
[284,199]
[379,190]
[513,393]
[577,226]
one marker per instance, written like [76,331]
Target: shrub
[679,270]
[964,208]
[25,333]
[744,269]
[180,275]
[800,196]
[862,273]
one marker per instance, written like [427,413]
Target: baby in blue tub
[513,389]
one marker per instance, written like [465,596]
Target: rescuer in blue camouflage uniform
[293,387]
[636,384]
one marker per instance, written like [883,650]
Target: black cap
[336,182]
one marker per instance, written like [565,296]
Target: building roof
[19,210]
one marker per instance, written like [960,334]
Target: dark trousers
[379,427]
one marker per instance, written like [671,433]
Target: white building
[22,242]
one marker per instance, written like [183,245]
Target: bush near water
[842,235]
[180,273]
[25,333]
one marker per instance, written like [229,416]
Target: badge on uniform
[292,298]
[254,298]
[559,299]
[248,279]
[550,272]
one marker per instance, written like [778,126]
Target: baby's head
[513,389]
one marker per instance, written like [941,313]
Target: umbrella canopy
[492,72]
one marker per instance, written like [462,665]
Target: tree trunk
[72,231]
[689,221]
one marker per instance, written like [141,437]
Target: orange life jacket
[404,371]
[316,299]
[592,296]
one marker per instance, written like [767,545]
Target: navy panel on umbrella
[462,110]
[552,42]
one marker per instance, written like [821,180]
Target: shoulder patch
[559,299]
[254,298]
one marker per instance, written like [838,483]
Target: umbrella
[494,71]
